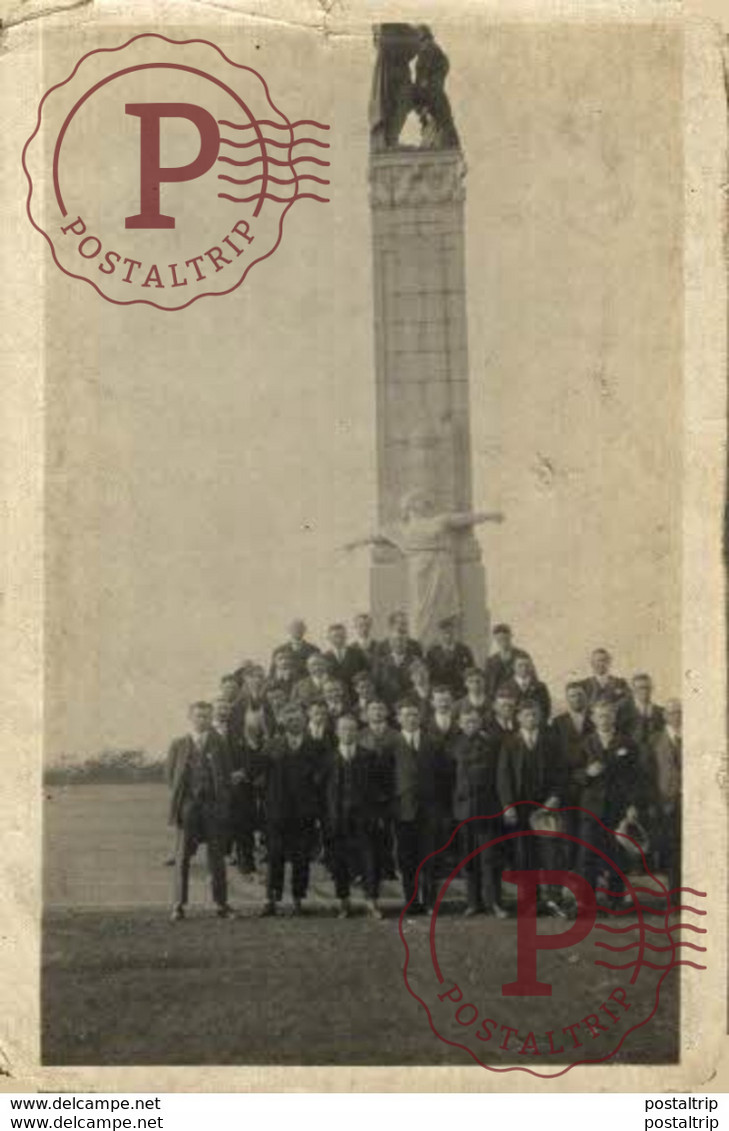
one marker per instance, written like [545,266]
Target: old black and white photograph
[367,640]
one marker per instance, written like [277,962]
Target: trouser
[292,842]
[200,822]
[591,864]
[245,820]
[669,844]
[388,848]
[483,870]
[532,852]
[416,840]
[358,849]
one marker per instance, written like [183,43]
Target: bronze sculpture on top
[396,90]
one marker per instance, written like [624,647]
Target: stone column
[421,362]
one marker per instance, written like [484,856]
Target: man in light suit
[311,688]
[199,776]
[664,784]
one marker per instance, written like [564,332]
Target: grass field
[121,985]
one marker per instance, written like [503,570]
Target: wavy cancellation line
[272,196]
[273,161]
[276,180]
[278,144]
[273,125]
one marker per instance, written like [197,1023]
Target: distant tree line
[110,766]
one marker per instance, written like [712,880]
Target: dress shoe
[225,911]
[373,910]
[471,910]
[298,909]
[499,911]
[345,910]
[178,913]
[268,910]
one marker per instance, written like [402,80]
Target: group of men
[368,754]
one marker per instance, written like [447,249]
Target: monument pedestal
[421,364]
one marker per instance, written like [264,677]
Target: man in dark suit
[382,740]
[297,647]
[499,666]
[501,720]
[637,714]
[363,692]
[343,662]
[251,711]
[392,667]
[398,638]
[475,694]
[602,684]
[569,730]
[364,643]
[198,774]
[421,690]
[230,685]
[423,790]
[530,770]
[442,724]
[292,807]
[525,687]
[476,797]
[355,805]
[664,784]
[449,659]
[247,808]
[611,783]
[284,677]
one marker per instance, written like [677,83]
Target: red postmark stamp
[161,171]
[540,995]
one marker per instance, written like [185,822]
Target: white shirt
[347,752]
[530,737]
[294,741]
[443,720]
[412,739]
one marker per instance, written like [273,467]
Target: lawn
[122,985]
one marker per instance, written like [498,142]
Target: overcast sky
[204,467]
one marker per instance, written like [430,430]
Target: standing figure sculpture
[396,92]
[427,540]
[431,100]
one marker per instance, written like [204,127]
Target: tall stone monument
[422,393]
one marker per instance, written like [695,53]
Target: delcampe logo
[161,171]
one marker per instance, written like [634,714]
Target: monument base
[475,620]
[388,587]
[389,592]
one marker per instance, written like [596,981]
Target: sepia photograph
[365,661]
